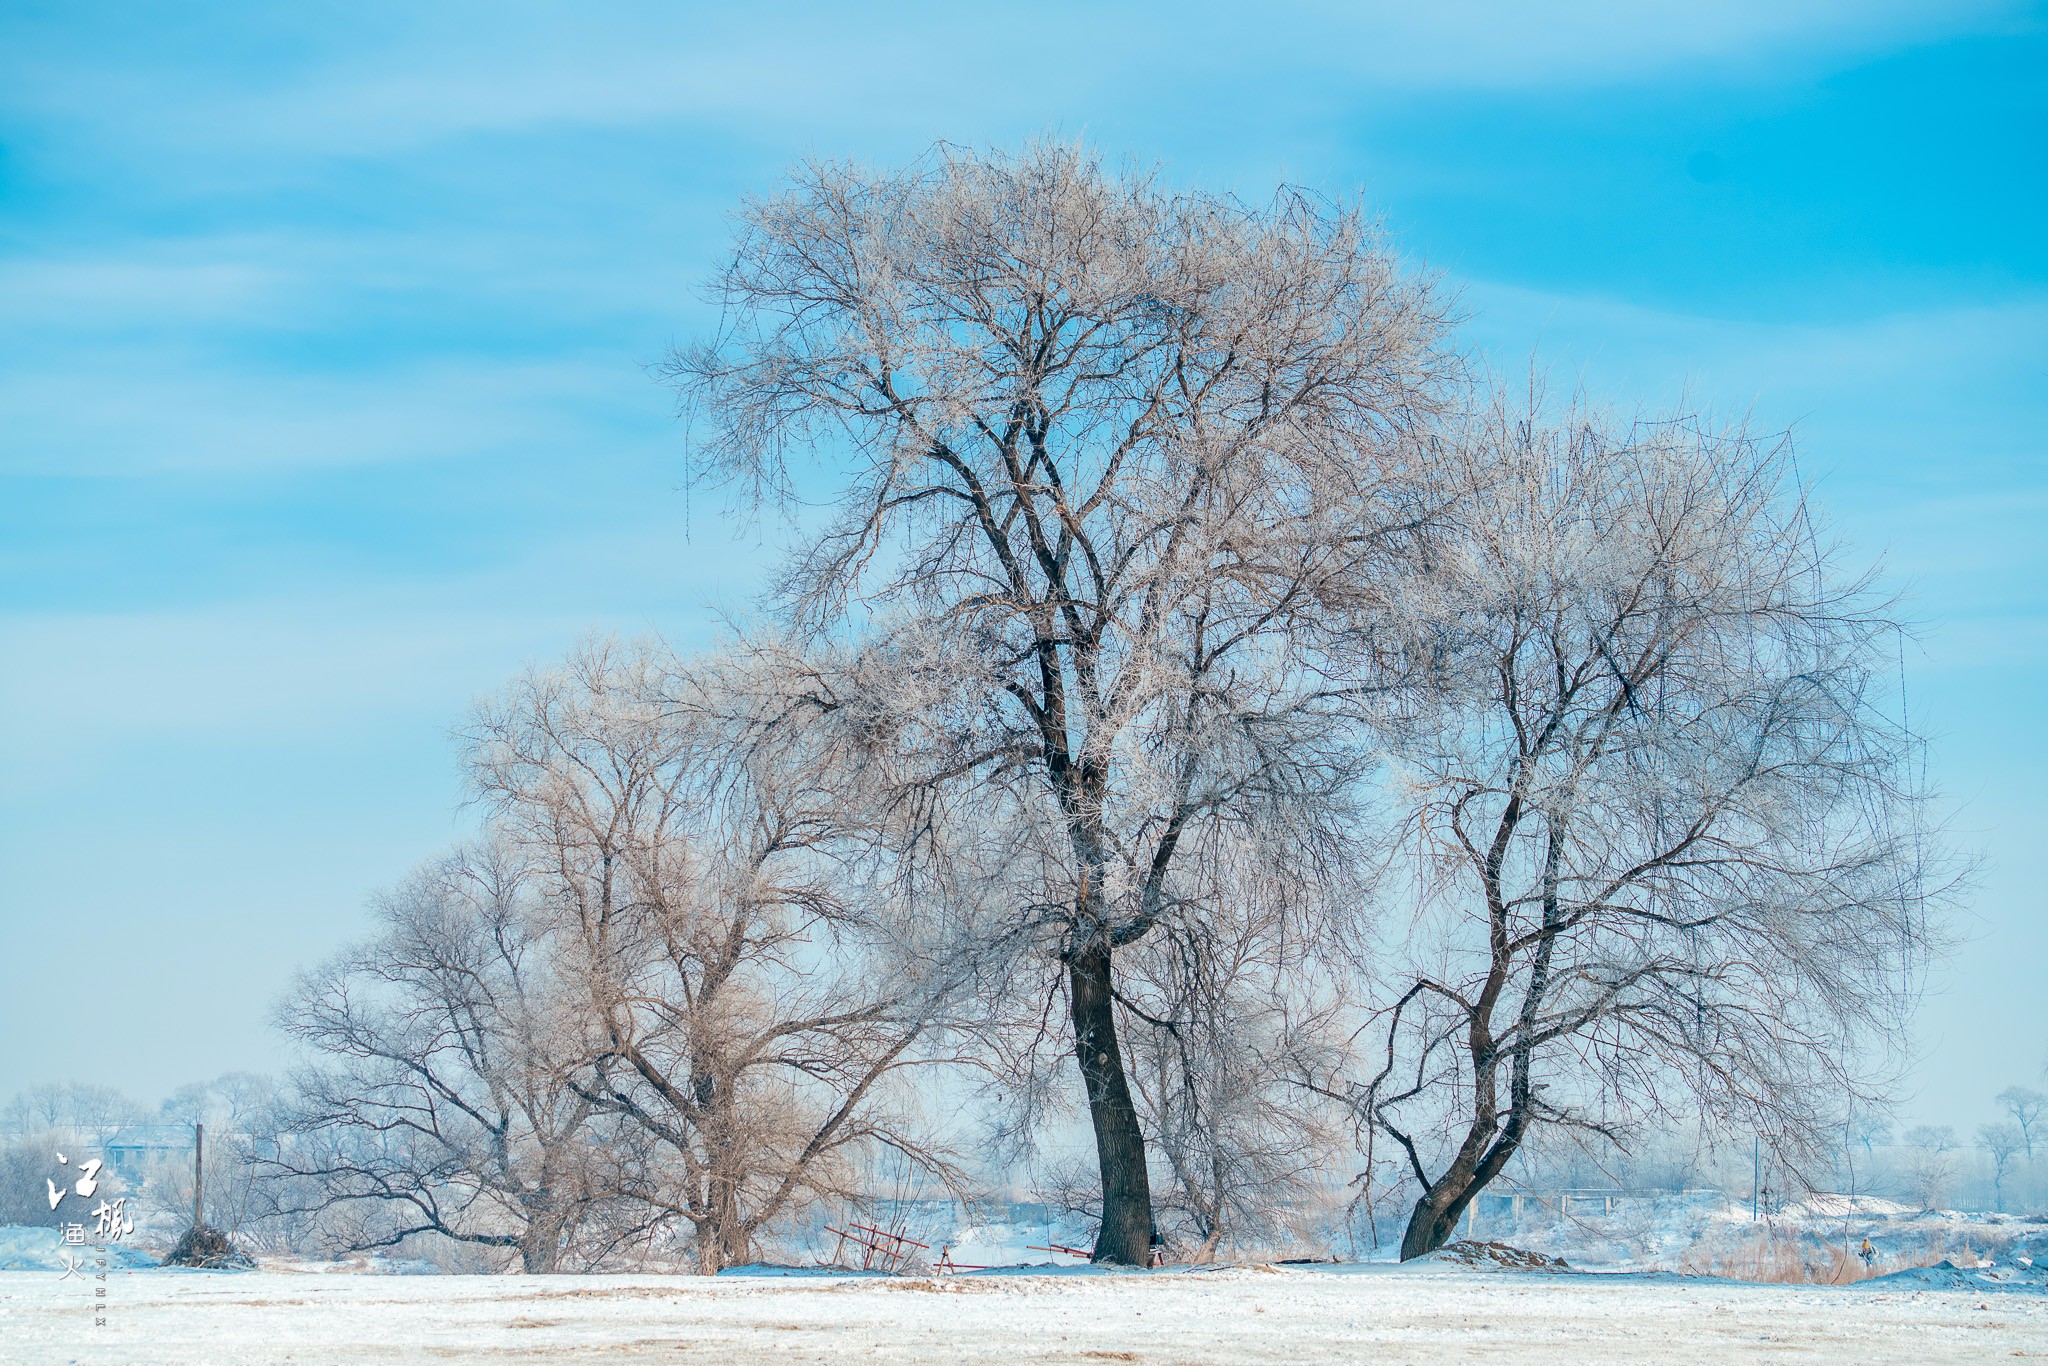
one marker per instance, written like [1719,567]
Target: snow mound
[1946,1275]
[43,1249]
[1496,1256]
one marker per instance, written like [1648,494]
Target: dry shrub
[206,1246]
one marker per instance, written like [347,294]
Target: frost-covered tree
[2027,1107]
[1109,464]
[1659,840]
[1869,1128]
[81,1107]
[234,1101]
[1932,1162]
[2001,1142]
[752,989]
[440,1098]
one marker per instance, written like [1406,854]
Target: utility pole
[198,1176]
[1756,1179]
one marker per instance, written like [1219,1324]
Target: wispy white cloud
[444,71]
[127,411]
[289,664]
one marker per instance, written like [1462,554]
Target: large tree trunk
[1436,1216]
[540,1247]
[1126,1234]
[722,1238]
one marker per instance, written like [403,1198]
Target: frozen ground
[1378,1313]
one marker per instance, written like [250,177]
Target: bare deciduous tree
[1660,832]
[2026,1106]
[443,1102]
[76,1106]
[1932,1166]
[2001,1142]
[1110,461]
[753,991]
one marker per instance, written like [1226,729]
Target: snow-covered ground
[1622,1303]
[1376,1312]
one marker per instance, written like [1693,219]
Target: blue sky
[324,404]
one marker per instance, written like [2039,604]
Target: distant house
[140,1145]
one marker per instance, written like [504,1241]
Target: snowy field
[1374,1313]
